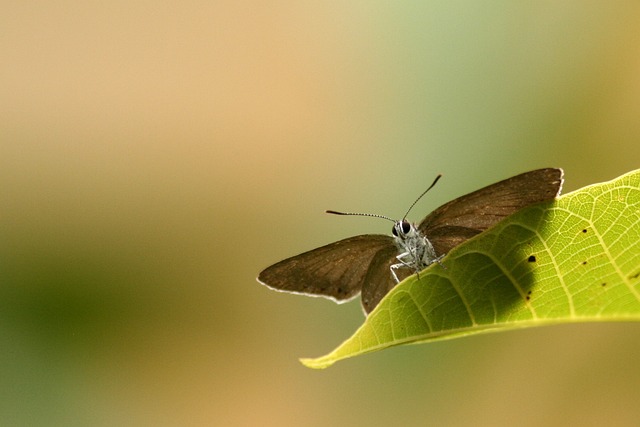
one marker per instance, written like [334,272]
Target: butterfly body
[415,250]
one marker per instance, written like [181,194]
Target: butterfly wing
[462,218]
[336,271]
[379,280]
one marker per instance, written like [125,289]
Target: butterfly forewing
[336,271]
[462,218]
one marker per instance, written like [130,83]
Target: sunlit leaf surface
[574,260]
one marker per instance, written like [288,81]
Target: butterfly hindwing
[379,281]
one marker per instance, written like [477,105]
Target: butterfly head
[403,230]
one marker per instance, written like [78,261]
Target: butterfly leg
[403,264]
[393,269]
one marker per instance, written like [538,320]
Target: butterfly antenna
[420,196]
[360,214]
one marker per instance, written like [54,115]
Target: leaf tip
[318,363]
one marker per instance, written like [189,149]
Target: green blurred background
[155,156]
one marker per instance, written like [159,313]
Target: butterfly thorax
[415,250]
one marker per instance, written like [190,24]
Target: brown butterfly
[372,264]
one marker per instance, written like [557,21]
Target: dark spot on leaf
[532,258]
[584,230]
[635,276]
[584,262]
[604,284]
[528,297]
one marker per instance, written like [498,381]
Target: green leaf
[574,260]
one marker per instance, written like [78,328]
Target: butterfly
[372,264]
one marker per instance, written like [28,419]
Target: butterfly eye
[403,228]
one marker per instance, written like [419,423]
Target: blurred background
[155,156]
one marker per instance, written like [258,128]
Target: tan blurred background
[154,156]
